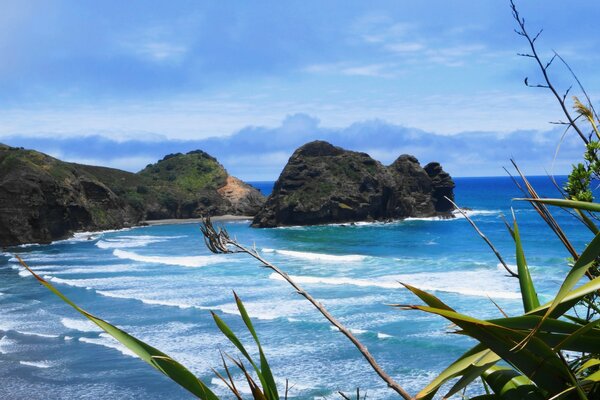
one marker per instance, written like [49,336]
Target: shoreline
[179,221]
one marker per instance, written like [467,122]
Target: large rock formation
[44,199]
[322,183]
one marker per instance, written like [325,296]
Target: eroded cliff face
[44,199]
[322,183]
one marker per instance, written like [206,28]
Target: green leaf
[528,293]
[237,343]
[453,370]
[271,389]
[586,259]
[473,372]
[536,359]
[159,360]
[579,205]
[579,334]
[429,299]
[568,300]
[508,384]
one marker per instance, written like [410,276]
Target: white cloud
[161,51]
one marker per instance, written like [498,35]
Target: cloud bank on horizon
[259,153]
[121,84]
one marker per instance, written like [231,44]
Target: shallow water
[159,283]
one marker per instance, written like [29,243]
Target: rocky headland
[44,199]
[322,183]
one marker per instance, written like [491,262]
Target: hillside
[44,199]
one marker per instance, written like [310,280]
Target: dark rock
[322,183]
[443,187]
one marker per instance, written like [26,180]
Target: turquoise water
[160,282]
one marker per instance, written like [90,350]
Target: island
[323,184]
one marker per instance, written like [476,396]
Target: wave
[6,344]
[37,364]
[318,256]
[106,340]
[383,335]
[127,296]
[267,310]
[122,242]
[190,261]
[81,325]
[482,283]
[43,335]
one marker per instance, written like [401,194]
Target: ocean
[160,282]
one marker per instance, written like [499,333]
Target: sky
[121,84]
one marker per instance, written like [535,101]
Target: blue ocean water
[159,283]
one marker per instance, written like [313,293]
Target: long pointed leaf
[528,293]
[508,384]
[271,389]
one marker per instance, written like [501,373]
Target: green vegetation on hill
[190,172]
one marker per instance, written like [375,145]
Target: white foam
[191,261]
[128,296]
[70,282]
[318,256]
[6,344]
[383,335]
[267,309]
[81,325]
[122,242]
[37,364]
[352,330]
[63,270]
[358,331]
[108,341]
[43,335]
[23,273]
[482,283]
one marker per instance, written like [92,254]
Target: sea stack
[322,184]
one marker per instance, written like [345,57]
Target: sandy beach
[219,218]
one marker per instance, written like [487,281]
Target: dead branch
[219,242]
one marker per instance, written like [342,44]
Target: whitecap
[358,331]
[318,256]
[43,335]
[37,364]
[266,310]
[106,340]
[190,261]
[6,344]
[81,325]
[383,335]
[127,295]
[121,242]
[482,283]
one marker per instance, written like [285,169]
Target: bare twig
[590,104]
[481,234]
[219,242]
[544,68]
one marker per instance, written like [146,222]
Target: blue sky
[123,83]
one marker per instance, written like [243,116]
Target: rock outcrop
[44,199]
[322,183]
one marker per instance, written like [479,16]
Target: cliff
[322,183]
